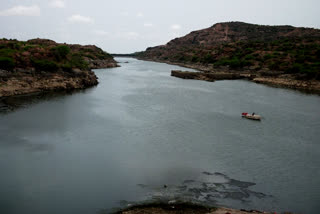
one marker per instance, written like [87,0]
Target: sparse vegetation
[6,63]
[264,47]
[60,52]
[44,65]
[46,55]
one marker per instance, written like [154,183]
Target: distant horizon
[128,27]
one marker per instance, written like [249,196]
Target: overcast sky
[125,26]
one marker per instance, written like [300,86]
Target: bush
[66,67]
[194,58]
[295,68]
[233,63]
[249,57]
[7,63]
[28,47]
[274,65]
[78,62]
[7,52]
[267,56]
[60,52]
[208,59]
[45,65]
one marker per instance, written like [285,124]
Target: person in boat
[252,113]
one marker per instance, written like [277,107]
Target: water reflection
[13,103]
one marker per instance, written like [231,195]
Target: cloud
[80,19]
[132,35]
[175,27]
[101,33]
[148,25]
[57,4]
[140,14]
[20,10]
[124,13]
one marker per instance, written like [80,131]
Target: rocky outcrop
[24,82]
[187,208]
[285,82]
[192,75]
[211,77]
[43,65]
[100,63]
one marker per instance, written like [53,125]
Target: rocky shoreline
[186,208]
[28,81]
[18,83]
[281,56]
[274,79]
[42,65]
[211,77]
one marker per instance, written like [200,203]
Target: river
[142,135]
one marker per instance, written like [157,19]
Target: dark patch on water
[13,103]
[218,190]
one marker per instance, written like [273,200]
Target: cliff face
[43,65]
[246,47]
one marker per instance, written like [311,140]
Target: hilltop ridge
[287,52]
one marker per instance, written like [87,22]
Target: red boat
[252,116]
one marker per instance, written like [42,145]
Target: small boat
[252,116]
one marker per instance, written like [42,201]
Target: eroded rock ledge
[16,83]
[279,80]
[211,77]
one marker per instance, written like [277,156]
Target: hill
[247,48]
[41,65]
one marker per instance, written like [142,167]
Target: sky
[127,26]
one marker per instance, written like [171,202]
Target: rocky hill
[42,65]
[248,48]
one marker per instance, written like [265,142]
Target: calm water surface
[140,129]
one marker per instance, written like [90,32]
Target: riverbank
[24,82]
[275,79]
[184,208]
[211,77]
[41,65]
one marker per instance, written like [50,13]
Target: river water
[142,135]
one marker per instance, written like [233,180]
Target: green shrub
[14,45]
[181,58]
[28,47]
[249,50]
[274,65]
[7,63]
[249,57]
[267,56]
[208,59]
[7,52]
[78,62]
[194,58]
[235,63]
[45,65]
[60,52]
[66,67]
[246,63]
[295,68]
